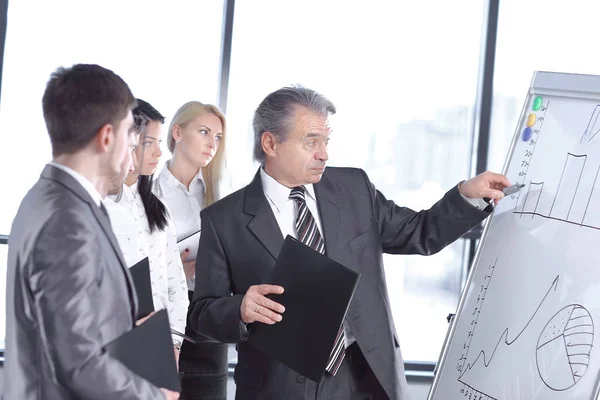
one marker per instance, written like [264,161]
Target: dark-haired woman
[143,227]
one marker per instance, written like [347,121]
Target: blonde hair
[212,173]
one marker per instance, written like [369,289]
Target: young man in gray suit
[338,212]
[69,292]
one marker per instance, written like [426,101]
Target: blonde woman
[188,183]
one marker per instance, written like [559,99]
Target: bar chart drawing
[570,202]
[593,126]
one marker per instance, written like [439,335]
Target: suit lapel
[263,224]
[327,202]
[71,184]
[104,222]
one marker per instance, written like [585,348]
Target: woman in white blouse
[143,226]
[188,183]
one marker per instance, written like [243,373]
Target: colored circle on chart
[537,103]
[531,120]
[527,132]
[564,347]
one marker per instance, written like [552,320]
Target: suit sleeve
[64,276]
[215,312]
[404,231]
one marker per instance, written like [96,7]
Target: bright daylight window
[168,53]
[404,81]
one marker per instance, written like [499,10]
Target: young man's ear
[104,138]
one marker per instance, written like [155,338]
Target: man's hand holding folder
[317,295]
[169,395]
[258,308]
[146,351]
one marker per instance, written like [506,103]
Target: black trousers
[203,368]
[354,381]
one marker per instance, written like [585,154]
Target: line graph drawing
[570,204]
[467,389]
[593,126]
[482,354]
[483,359]
[564,347]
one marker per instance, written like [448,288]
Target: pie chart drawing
[564,347]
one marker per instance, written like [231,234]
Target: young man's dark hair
[80,100]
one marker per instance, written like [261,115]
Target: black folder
[147,350]
[140,273]
[317,293]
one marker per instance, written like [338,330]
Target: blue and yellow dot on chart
[531,119]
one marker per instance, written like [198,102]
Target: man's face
[302,158]
[120,159]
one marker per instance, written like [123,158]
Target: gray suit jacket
[241,241]
[68,294]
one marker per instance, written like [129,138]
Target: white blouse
[185,205]
[130,225]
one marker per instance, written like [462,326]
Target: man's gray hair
[276,111]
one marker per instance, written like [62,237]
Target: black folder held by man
[140,274]
[147,350]
[317,293]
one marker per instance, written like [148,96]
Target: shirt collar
[83,181]
[130,192]
[170,182]
[278,193]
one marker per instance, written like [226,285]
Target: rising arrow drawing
[504,335]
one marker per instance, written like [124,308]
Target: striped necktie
[308,233]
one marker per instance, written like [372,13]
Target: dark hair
[156,212]
[79,101]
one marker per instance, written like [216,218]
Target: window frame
[415,371]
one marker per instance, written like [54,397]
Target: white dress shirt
[285,211]
[130,225]
[83,181]
[185,205]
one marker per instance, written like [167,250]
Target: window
[561,40]
[168,53]
[404,81]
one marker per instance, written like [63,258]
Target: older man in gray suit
[69,292]
[338,212]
